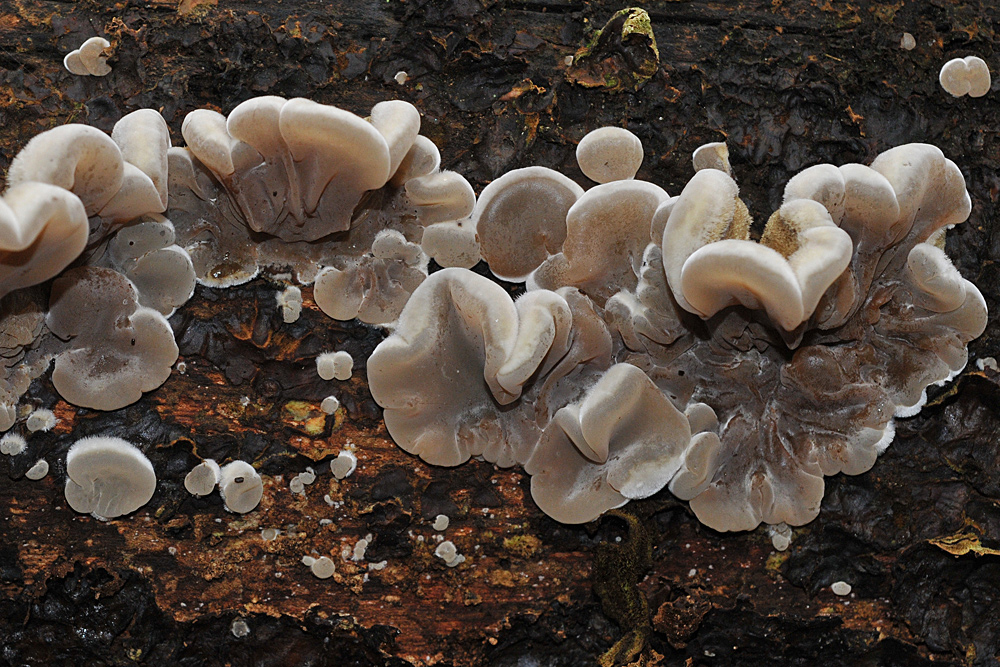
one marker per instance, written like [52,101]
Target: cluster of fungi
[657,342]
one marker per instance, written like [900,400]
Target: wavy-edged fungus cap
[441,197]
[203,478]
[38,471]
[144,139]
[74,65]
[107,477]
[290,302]
[42,229]
[423,158]
[93,58]
[607,231]
[160,270]
[399,123]
[335,365]
[78,158]
[714,155]
[521,219]
[966,76]
[609,154]
[452,244]
[240,486]
[117,349]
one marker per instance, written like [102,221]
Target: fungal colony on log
[657,342]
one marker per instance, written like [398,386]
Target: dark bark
[787,84]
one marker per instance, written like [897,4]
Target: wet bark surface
[787,84]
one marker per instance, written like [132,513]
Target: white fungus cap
[609,154]
[12,444]
[41,419]
[907,42]
[323,568]
[89,59]
[446,551]
[39,470]
[329,405]
[840,588]
[440,522]
[107,477]
[335,365]
[290,302]
[203,478]
[241,487]
[965,76]
[712,156]
[344,464]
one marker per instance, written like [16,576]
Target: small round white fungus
[987,362]
[323,568]
[378,566]
[12,444]
[203,478]
[241,487]
[39,470]
[296,486]
[440,522]
[840,588]
[446,551]
[239,628]
[335,365]
[907,42]
[307,477]
[269,534]
[344,464]
[290,302]
[360,548]
[965,76]
[456,561]
[329,405]
[41,419]
[308,561]
[781,536]
[400,77]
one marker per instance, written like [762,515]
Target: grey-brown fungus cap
[241,487]
[160,270]
[622,440]
[521,219]
[714,155]
[93,58]
[115,349]
[609,154]
[107,477]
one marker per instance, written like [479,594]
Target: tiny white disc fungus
[609,154]
[290,302]
[446,551]
[335,365]
[240,486]
[239,628]
[108,477]
[269,534]
[89,59]
[907,42]
[203,478]
[308,561]
[361,547]
[712,156]
[41,419]
[440,523]
[323,568]
[12,444]
[344,464]
[981,364]
[781,536]
[329,405]
[39,470]
[840,588]
[296,486]
[400,77]
[965,76]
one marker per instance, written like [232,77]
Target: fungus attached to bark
[335,365]
[89,59]
[609,154]
[290,302]
[240,486]
[12,444]
[107,477]
[329,405]
[966,76]
[344,464]
[38,471]
[203,478]
[41,419]
[115,349]
[808,342]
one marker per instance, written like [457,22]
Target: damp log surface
[787,84]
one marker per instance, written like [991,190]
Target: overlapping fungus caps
[107,477]
[659,344]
